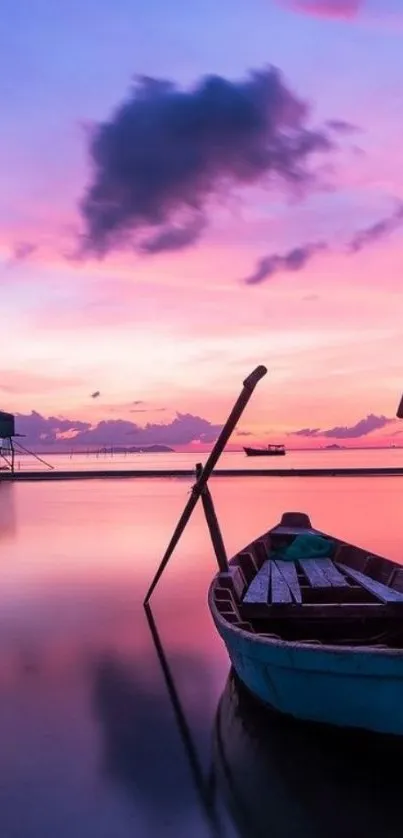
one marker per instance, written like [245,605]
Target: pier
[113,474]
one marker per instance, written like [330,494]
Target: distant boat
[269,451]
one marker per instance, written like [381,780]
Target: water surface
[89,742]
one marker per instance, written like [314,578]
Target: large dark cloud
[295,260]
[47,433]
[362,428]
[165,153]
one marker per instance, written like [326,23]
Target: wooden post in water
[248,387]
[212,523]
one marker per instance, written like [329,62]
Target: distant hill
[334,447]
[137,449]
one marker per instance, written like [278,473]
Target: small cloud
[341,126]
[362,428]
[307,432]
[294,260]
[96,394]
[147,410]
[23,250]
[344,9]
[244,433]
[377,231]
[139,401]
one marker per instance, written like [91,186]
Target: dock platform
[113,474]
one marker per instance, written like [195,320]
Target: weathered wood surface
[246,561]
[383,592]
[289,573]
[280,592]
[314,573]
[233,579]
[336,579]
[258,591]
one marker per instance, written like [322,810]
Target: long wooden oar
[248,387]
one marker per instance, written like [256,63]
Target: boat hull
[347,687]
[258,452]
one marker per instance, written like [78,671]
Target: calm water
[89,744]
[234,459]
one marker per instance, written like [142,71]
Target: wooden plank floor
[382,592]
[289,574]
[258,591]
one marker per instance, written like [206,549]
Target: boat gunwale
[260,639]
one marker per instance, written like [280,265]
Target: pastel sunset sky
[159,241]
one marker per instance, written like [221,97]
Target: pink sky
[180,330]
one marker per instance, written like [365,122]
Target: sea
[312,458]
[111,723]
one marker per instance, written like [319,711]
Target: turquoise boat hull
[343,686]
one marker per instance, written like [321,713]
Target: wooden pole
[399,413]
[248,387]
[212,523]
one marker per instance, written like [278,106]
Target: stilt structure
[8,444]
[7,434]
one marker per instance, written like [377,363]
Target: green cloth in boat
[306,546]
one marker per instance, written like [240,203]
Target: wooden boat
[320,639]
[269,451]
[287,779]
[316,634]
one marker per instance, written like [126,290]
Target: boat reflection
[288,779]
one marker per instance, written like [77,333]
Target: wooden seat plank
[383,592]
[314,573]
[289,573]
[258,590]
[336,579]
[280,591]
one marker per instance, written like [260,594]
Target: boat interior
[349,597]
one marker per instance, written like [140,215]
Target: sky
[189,190]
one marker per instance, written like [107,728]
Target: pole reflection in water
[283,778]
[204,787]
